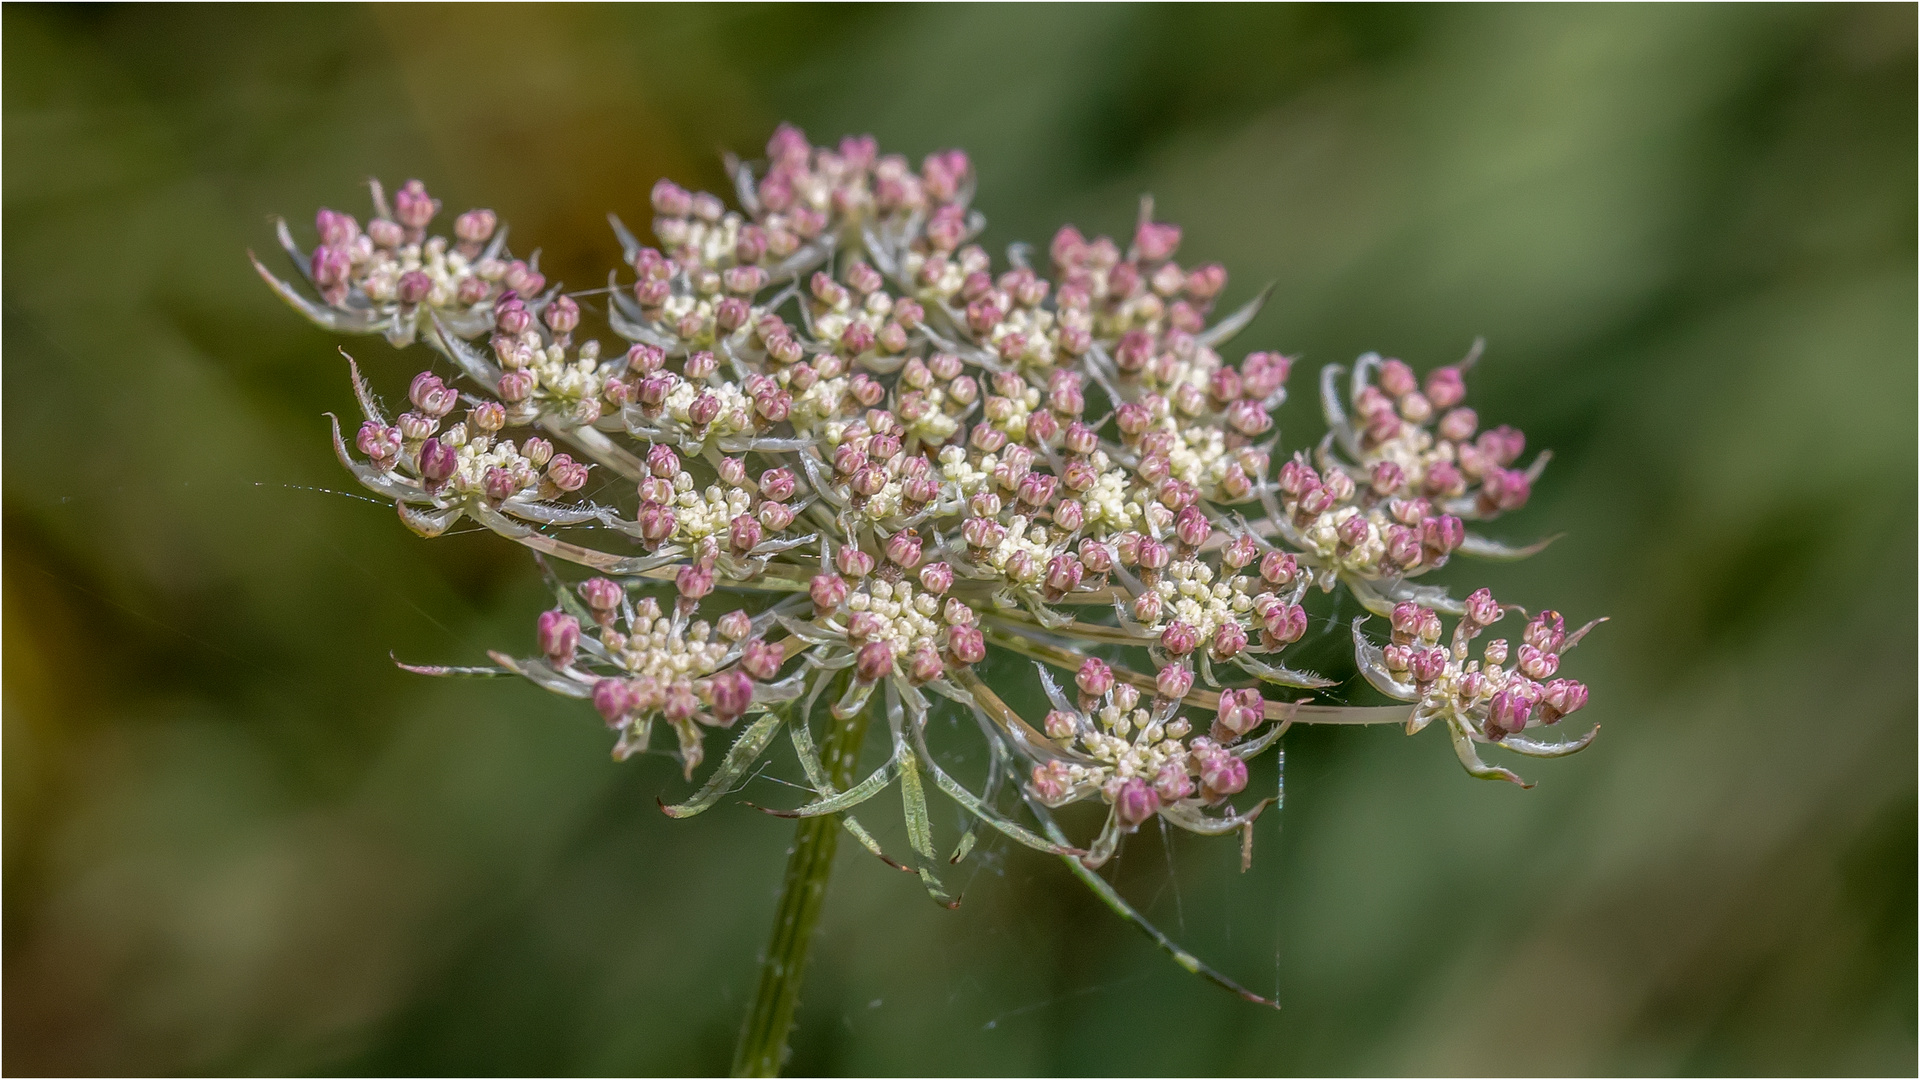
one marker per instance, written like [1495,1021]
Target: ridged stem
[762,1050]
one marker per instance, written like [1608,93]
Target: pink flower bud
[1503,444]
[694,581]
[1403,546]
[1240,711]
[1427,665]
[1263,373]
[1152,554]
[1458,425]
[1443,533]
[1247,417]
[437,461]
[1387,478]
[777,484]
[936,578]
[1482,609]
[1545,631]
[1094,678]
[336,230]
[1060,726]
[1174,682]
[743,533]
[903,549]
[925,665]
[656,522]
[516,386]
[967,643]
[601,594]
[1407,618]
[829,591]
[982,533]
[1445,387]
[413,206]
[1063,575]
[1192,527]
[734,625]
[1223,775]
[1228,641]
[1179,639]
[1136,802]
[1050,782]
[1285,623]
[1095,556]
[761,660]
[1535,664]
[382,444]
[662,461]
[1503,490]
[1496,652]
[613,700]
[1560,697]
[330,267]
[1279,568]
[1396,378]
[1146,608]
[559,635]
[1508,713]
[732,693]
[1353,531]
[386,234]
[475,227]
[703,410]
[853,562]
[413,287]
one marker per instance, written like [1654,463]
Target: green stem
[762,1050]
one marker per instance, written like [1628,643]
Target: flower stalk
[763,1049]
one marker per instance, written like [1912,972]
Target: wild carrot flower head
[842,456]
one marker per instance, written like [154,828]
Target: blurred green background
[237,840]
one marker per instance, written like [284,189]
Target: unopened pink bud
[694,581]
[1279,568]
[613,700]
[1136,802]
[1247,417]
[413,287]
[734,625]
[1560,697]
[1063,575]
[1229,639]
[475,226]
[1179,639]
[413,206]
[1445,387]
[967,643]
[1353,531]
[559,635]
[743,533]
[853,562]
[601,594]
[656,522]
[562,315]
[1050,782]
[516,386]
[1192,527]
[1223,775]
[761,660]
[1427,665]
[828,591]
[1387,478]
[1174,682]
[1443,533]
[703,410]
[437,461]
[1482,609]
[732,693]
[1508,712]
[1546,631]
[1096,556]
[1094,678]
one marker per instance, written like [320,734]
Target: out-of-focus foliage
[238,840]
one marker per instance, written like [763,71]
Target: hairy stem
[762,1049]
